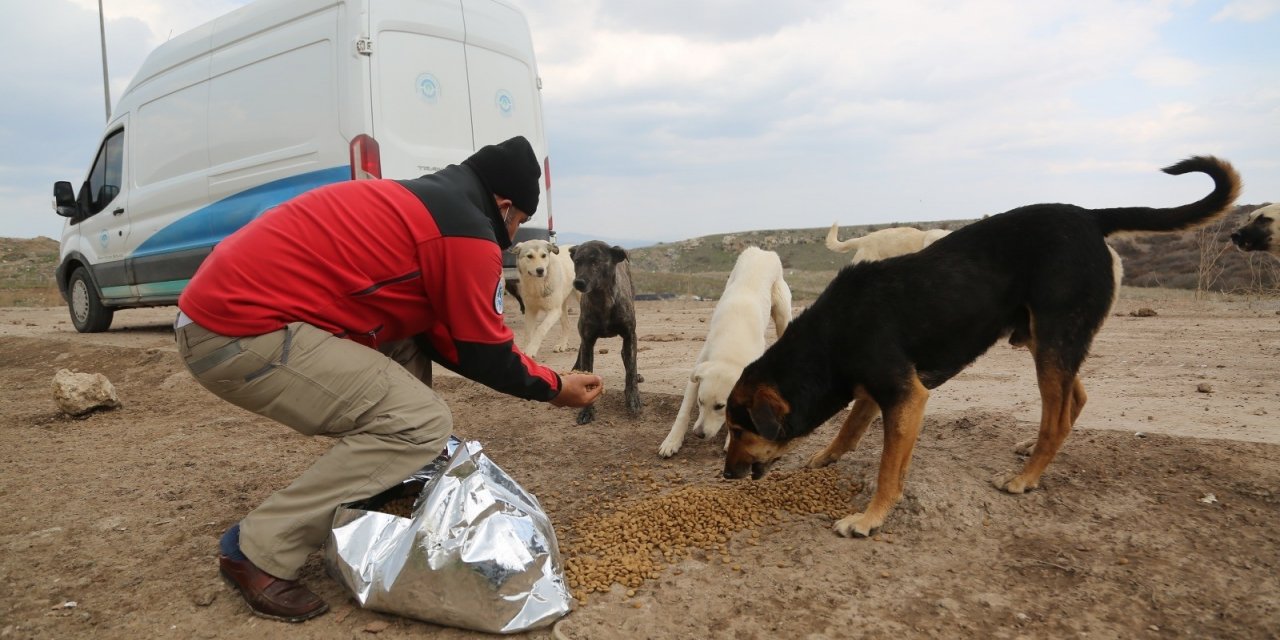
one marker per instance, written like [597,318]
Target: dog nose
[541,270]
[580,285]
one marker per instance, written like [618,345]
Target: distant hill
[26,272]
[699,266]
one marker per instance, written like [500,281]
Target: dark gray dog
[603,275]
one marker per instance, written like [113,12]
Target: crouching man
[325,314]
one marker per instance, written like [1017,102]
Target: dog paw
[1012,483]
[586,415]
[669,448]
[821,459]
[857,525]
[560,348]
[1025,447]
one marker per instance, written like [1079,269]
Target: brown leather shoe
[269,596]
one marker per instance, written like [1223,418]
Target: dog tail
[1226,188]
[834,242]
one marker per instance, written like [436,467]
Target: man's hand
[578,390]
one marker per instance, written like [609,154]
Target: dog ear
[617,253]
[555,248]
[573,250]
[515,249]
[768,410]
[698,372]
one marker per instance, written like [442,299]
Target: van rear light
[546,177]
[366,161]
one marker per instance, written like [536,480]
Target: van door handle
[118,211]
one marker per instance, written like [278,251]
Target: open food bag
[477,551]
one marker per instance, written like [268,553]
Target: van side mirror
[64,200]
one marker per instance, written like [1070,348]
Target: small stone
[1204,387]
[603,351]
[1122,561]
[342,614]
[1154,628]
[377,626]
[77,394]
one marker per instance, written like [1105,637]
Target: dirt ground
[1160,517]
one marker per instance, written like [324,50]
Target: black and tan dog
[1261,231]
[883,333]
[603,275]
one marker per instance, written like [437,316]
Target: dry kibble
[631,541]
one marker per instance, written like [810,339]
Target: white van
[275,98]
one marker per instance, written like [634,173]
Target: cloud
[1168,71]
[1247,10]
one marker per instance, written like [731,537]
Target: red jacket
[376,261]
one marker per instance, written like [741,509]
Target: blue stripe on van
[208,225]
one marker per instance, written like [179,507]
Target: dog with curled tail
[884,333]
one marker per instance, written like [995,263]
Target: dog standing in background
[546,287]
[754,294]
[603,275]
[884,333]
[885,243]
[1261,231]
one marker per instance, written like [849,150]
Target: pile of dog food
[628,542]
[402,506]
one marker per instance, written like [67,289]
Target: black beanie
[509,169]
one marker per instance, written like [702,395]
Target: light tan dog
[546,285]
[754,294]
[885,243]
[1261,232]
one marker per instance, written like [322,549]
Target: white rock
[80,393]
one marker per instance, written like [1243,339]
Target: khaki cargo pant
[387,422]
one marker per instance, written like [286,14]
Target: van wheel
[87,313]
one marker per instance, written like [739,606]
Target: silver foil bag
[478,552]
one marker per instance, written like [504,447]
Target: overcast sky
[670,119]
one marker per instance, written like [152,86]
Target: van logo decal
[104,239]
[428,88]
[504,102]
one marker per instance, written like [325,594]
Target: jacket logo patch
[497,297]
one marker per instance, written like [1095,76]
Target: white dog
[885,243]
[546,285]
[754,293]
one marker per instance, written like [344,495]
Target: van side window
[108,169]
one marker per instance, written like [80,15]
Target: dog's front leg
[855,426]
[566,326]
[631,391]
[549,318]
[586,362]
[681,426]
[901,428]
[526,331]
